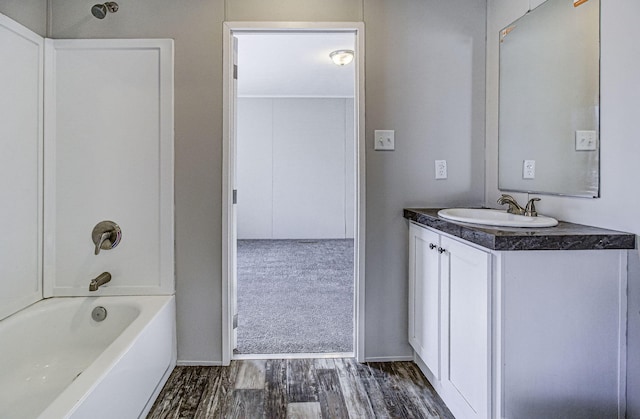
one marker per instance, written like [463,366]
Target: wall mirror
[549,137]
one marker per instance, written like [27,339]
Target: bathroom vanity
[519,322]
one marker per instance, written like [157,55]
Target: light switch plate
[586,141]
[384,140]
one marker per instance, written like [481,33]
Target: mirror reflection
[549,136]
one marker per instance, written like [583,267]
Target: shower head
[101,10]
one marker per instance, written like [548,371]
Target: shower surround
[106,154]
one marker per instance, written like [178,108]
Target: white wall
[255,168]
[20,166]
[425,79]
[109,156]
[618,206]
[295,174]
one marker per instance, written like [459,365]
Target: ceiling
[288,64]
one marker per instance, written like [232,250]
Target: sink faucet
[530,209]
[100,280]
[514,207]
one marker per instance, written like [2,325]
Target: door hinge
[235,196]
[235,321]
[235,72]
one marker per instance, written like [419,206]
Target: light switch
[384,140]
[586,141]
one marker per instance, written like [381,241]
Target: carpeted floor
[295,296]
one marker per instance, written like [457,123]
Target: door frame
[229,159]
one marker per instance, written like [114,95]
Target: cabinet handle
[441,250]
[432,246]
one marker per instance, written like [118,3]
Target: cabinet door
[466,330]
[424,297]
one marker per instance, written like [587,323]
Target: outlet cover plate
[441,169]
[529,169]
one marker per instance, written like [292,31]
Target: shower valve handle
[106,235]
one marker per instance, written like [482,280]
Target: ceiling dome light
[342,56]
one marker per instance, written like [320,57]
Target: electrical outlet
[384,140]
[441,169]
[529,169]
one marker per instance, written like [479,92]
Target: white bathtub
[57,362]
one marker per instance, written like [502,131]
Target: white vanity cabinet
[523,334]
[449,318]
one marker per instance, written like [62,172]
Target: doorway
[278,217]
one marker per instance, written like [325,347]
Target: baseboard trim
[310,355]
[187,363]
[389,358]
[199,363]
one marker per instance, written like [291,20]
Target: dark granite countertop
[564,236]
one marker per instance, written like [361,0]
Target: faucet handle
[104,242]
[106,235]
[530,209]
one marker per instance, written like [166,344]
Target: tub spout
[102,279]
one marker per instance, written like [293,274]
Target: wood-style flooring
[299,388]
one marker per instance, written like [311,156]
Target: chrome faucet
[530,209]
[514,207]
[106,235]
[103,239]
[100,280]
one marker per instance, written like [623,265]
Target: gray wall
[618,206]
[30,13]
[425,79]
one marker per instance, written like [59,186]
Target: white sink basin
[495,217]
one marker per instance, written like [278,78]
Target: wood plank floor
[299,388]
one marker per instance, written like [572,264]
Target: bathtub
[57,362]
